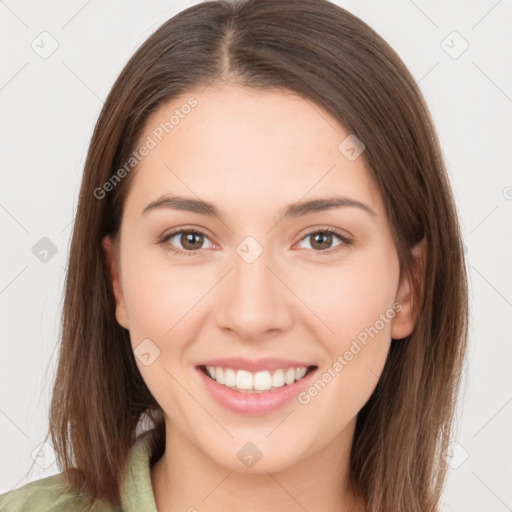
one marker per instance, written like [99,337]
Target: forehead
[235,144]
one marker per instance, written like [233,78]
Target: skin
[251,153]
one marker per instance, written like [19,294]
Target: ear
[404,321]
[111,254]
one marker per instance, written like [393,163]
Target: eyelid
[346,241]
[343,235]
[163,239]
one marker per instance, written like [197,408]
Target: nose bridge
[255,299]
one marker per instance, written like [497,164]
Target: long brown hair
[329,56]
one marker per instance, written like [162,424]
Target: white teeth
[245,381]
[300,373]
[289,376]
[262,381]
[278,379]
[229,378]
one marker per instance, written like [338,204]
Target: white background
[48,110]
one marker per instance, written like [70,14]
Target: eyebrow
[297,209]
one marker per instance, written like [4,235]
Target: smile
[256,382]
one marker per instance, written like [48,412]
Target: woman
[266,299]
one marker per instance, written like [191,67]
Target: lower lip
[254,403]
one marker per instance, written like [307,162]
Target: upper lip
[266,363]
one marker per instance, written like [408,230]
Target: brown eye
[191,241]
[184,241]
[322,240]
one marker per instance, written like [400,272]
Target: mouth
[265,381]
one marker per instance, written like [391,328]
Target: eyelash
[163,241]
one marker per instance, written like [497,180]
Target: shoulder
[50,494]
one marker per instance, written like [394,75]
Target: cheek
[161,303]
[165,305]
[158,295]
[355,304]
[351,297]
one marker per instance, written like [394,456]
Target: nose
[254,302]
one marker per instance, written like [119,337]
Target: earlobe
[405,320]
[115,280]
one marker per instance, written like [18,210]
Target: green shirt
[54,494]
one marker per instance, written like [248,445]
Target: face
[244,285]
